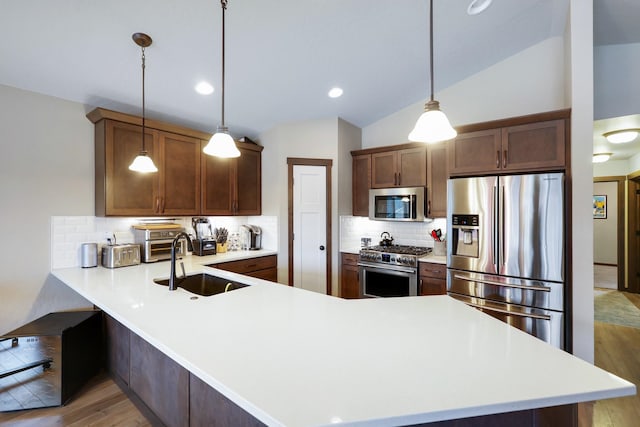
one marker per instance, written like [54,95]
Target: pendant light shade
[432,126]
[221,143]
[143,163]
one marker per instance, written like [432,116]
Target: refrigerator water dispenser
[465,235]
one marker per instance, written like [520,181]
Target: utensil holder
[221,247]
[439,248]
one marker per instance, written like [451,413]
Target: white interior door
[309,228]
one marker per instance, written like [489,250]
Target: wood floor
[617,350]
[102,403]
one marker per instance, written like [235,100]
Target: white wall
[319,139]
[528,82]
[616,71]
[612,168]
[581,54]
[46,169]
[605,230]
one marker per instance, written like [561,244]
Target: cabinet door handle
[429,207]
[162,204]
[157,208]
[498,159]
[395,178]
[504,159]
[399,178]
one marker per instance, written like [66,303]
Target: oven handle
[506,285]
[514,313]
[388,267]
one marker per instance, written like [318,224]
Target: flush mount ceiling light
[335,92]
[478,6]
[601,157]
[621,136]
[204,88]
[142,162]
[432,126]
[221,143]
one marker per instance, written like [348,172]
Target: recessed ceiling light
[204,88]
[601,157]
[335,92]
[478,6]
[621,136]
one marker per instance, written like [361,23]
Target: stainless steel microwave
[397,204]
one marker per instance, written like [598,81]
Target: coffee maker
[250,237]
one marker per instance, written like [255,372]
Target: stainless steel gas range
[389,271]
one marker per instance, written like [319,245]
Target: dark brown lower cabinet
[209,408]
[264,267]
[161,383]
[117,345]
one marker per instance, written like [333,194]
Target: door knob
[321,247]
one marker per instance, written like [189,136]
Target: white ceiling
[282,55]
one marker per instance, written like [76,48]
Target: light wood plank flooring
[617,350]
[102,403]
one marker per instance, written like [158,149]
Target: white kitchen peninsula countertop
[296,358]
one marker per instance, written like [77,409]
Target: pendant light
[142,162]
[432,125]
[221,143]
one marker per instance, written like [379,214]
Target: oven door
[381,281]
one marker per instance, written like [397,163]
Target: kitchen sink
[203,284]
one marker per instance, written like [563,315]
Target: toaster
[114,256]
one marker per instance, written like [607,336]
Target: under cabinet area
[349,279]
[187,183]
[432,279]
[264,267]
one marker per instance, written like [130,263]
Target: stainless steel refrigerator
[506,247]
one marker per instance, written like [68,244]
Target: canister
[89,255]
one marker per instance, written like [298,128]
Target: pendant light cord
[224,7]
[143,106]
[431,44]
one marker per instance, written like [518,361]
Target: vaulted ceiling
[282,56]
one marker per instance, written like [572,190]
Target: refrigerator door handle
[509,312]
[506,285]
[494,237]
[502,228]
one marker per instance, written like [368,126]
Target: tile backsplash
[69,232]
[352,228]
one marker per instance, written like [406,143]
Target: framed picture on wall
[600,207]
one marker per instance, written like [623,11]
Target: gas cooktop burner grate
[401,249]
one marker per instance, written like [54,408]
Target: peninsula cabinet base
[554,416]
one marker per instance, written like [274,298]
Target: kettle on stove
[387,240]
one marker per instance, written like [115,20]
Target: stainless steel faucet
[172,277]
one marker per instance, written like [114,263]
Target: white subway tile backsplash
[413,233]
[69,232]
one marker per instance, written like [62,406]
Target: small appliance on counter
[89,255]
[250,237]
[205,242]
[155,240]
[114,256]
[47,361]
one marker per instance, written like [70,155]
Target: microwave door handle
[502,228]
